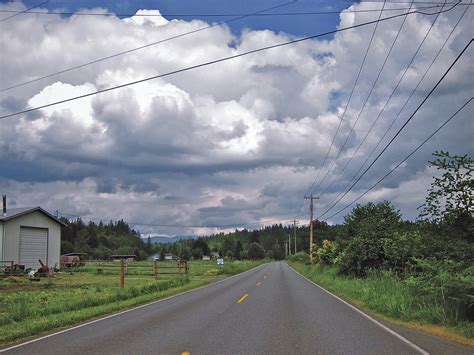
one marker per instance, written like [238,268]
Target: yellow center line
[258,283]
[185,353]
[243,298]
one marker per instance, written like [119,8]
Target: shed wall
[34,219]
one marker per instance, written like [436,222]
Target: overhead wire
[365,103]
[16,13]
[205,64]
[404,159]
[143,46]
[401,128]
[299,13]
[355,123]
[341,119]
[403,106]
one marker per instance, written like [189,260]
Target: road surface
[268,310]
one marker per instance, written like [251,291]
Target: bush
[327,253]
[449,284]
[299,257]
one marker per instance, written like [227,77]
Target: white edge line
[127,310]
[402,338]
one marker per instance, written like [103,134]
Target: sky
[234,144]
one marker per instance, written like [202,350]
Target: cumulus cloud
[236,142]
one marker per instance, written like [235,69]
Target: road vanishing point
[270,309]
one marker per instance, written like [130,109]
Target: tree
[238,250]
[450,198]
[277,251]
[379,220]
[255,237]
[200,243]
[368,227]
[196,253]
[255,251]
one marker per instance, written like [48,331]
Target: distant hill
[166,240]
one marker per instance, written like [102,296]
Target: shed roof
[13,213]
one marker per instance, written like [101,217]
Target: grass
[30,308]
[391,299]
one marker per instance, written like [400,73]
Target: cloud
[240,141]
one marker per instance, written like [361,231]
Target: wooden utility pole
[311,198]
[289,245]
[295,222]
[122,273]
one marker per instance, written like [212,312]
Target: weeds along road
[268,310]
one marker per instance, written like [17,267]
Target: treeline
[101,241]
[255,244]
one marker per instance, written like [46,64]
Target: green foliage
[450,195]
[101,241]
[449,283]
[372,219]
[277,252]
[450,203]
[408,300]
[238,250]
[299,257]
[327,253]
[370,227]
[255,252]
[200,243]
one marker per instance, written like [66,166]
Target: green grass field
[34,307]
[391,298]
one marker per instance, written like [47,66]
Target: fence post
[179,265]
[122,273]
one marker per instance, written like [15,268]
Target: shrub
[299,257]
[327,253]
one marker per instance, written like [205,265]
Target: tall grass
[389,296]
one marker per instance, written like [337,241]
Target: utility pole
[295,222]
[289,245]
[311,198]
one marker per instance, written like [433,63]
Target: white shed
[28,235]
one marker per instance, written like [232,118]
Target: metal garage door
[33,246]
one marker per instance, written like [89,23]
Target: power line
[404,160]
[144,46]
[301,13]
[401,109]
[203,65]
[401,128]
[347,103]
[366,101]
[16,13]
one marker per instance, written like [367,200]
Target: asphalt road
[268,310]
